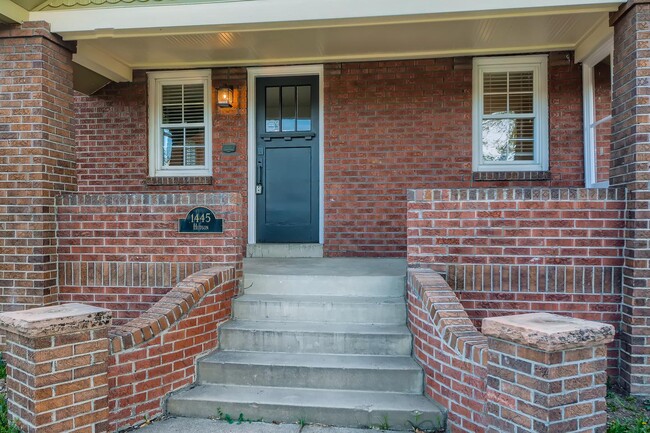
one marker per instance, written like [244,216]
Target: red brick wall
[156,354]
[453,354]
[123,252]
[630,168]
[389,126]
[37,159]
[523,250]
[112,147]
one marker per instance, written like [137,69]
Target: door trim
[283,71]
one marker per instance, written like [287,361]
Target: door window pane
[289,109]
[272,109]
[304,108]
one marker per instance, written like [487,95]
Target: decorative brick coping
[186,180]
[448,315]
[511,175]
[519,194]
[184,198]
[170,309]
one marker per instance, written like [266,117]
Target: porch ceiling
[365,42]
[324,31]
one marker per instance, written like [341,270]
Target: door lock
[258,189]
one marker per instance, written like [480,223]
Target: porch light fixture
[224,96]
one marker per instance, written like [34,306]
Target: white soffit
[204,15]
[351,43]
[113,41]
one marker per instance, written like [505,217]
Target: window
[510,126]
[597,83]
[180,141]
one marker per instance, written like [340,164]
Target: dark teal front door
[287,164]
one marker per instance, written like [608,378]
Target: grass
[640,424]
[627,414]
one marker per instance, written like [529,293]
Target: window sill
[485,176]
[178,180]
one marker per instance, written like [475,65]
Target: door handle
[258,187]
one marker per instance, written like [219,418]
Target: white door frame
[282,71]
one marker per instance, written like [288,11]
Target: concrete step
[320,277]
[284,250]
[305,370]
[304,337]
[330,407]
[324,309]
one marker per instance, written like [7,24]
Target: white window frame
[538,64]
[156,81]
[588,65]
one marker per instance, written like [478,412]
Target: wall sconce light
[224,96]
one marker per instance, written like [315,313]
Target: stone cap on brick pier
[55,320]
[548,332]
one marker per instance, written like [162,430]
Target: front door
[287,162]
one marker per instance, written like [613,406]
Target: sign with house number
[200,220]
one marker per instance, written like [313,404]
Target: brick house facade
[87,216]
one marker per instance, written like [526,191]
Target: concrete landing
[339,267]
[284,250]
[197,425]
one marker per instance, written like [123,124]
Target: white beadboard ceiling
[349,43]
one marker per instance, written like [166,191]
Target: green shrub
[5,425]
[3,367]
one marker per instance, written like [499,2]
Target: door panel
[285,166]
[287,159]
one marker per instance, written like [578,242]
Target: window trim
[589,116]
[539,65]
[155,82]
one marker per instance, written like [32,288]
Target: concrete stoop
[317,341]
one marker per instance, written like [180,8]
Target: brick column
[630,168]
[57,368]
[546,373]
[37,163]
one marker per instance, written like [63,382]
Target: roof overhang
[114,41]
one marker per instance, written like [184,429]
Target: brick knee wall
[156,354]
[56,368]
[507,251]
[546,374]
[451,351]
[123,252]
[373,150]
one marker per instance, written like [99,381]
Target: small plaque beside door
[200,220]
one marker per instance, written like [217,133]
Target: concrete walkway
[193,425]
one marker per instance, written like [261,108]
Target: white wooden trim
[98,60]
[595,40]
[598,54]
[279,71]
[13,12]
[539,65]
[155,80]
